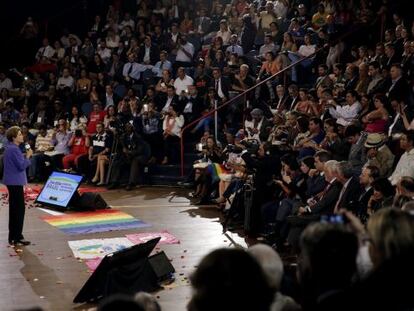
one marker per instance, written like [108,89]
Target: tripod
[114,153]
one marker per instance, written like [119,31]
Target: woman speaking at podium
[15,164]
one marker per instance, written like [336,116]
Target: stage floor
[46,274]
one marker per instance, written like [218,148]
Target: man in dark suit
[323,79]
[114,68]
[221,84]
[110,98]
[357,156]
[351,74]
[378,83]
[350,187]
[148,53]
[171,100]
[193,104]
[316,182]
[281,103]
[159,38]
[322,204]
[392,56]
[399,86]
[172,38]
[202,23]
[368,175]
[396,124]
[293,98]
[379,55]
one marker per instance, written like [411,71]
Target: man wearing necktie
[162,64]
[221,85]
[322,204]
[132,70]
[368,175]
[350,190]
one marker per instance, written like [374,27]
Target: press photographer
[135,153]
[261,165]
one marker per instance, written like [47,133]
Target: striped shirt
[43,143]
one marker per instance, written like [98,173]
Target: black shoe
[21,243]
[112,186]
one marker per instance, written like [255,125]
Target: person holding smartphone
[14,177]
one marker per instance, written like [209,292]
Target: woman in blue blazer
[14,177]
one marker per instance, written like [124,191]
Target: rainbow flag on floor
[95,221]
[215,169]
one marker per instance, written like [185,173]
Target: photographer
[135,153]
[264,165]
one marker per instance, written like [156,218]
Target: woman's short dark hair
[384,186]
[290,160]
[303,123]
[309,161]
[12,132]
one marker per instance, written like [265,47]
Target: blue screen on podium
[59,189]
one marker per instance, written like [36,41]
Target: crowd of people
[331,135]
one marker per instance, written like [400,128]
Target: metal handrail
[211,112]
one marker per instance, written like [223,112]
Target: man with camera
[263,165]
[134,153]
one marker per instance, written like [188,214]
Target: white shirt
[265,48]
[280,9]
[177,123]
[105,54]
[336,209]
[6,84]
[112,42]
[225,35]
[404,167]
[306,50]
[46,51]
[129,23]
[218,88]
[147,54]
[345,114]
[174,37]
[167,104]
[182,85]
[181,56]
[396,118]
[66,82]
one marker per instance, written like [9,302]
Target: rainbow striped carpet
[93,222]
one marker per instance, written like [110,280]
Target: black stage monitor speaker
[161,266]
[90,200]
[127,271]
